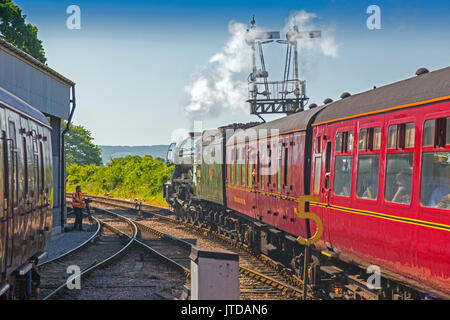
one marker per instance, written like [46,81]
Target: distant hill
[158,151]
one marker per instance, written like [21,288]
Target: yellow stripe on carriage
[423,223]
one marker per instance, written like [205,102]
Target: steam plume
[221,85]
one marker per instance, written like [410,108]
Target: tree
[128,177]
[79,147]
[14,30]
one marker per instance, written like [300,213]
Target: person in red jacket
[78,205]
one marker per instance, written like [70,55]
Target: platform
[68,240]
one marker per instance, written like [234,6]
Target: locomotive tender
[372,172]
[26,194]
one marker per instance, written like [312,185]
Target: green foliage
[79,146]
[14,30]
[129,177]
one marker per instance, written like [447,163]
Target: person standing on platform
[78,205]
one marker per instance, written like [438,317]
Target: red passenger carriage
[384,153]
[372,174]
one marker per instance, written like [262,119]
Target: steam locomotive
[26,193]
[364,181]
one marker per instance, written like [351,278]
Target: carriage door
[35,170]
[326,170]
[322,177]
[27,231]
[39,181]
[252,183]
[10,193]
[3,212]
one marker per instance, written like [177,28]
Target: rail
[288,289]
[79,247]
[117,231]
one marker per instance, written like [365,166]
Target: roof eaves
[8,47]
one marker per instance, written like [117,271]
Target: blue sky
[131,60]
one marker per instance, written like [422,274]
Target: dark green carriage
[209,182]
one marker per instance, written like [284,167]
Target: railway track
[130,277]
[256,280]
[109,244]
[76,249]
[260,277]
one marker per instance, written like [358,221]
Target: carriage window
[436,132]
[328,165]
[435,184]
[440,132]
[344,141]
[250,168]
[338,147]
[370,139]
[328,158]
[36,175]
[41,151]
[367,184]
[262,161]
[350,141]
[343,175]
[392,137]
[362,139]
[318,147]
[257,169]
[232,167]
[401,136]
[317,165]
[270,168]
[410,135]
[14,163]
[286,154]
[25,162]
[12,134]
[399,170]
[35,148]
[230,155]
[243,166]
[250,175]
[238,160]
[428,133]
[447,139]
[376,138]
[280,149]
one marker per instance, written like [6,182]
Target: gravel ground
[69,240]
[131,278]
[250,289]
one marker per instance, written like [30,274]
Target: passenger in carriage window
[440,197]
[343,178]
[368,172]
[371,191]
[398,178]
[403,192]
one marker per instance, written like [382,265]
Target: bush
[129,177]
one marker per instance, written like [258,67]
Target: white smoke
[325,45]
[221,85]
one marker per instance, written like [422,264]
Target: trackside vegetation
[128,177]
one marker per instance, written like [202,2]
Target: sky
[135,63]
